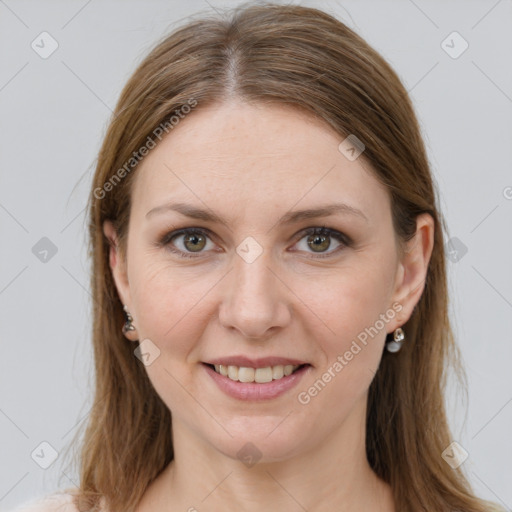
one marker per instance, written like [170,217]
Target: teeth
[233,372]
[246,374]
[259,375]
[288,369]
[262,375]
[278,372]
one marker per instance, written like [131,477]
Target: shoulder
[61,501]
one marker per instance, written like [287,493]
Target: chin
[262,440]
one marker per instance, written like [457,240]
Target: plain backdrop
[53,116]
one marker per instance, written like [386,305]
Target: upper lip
[261,362]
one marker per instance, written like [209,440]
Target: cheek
[354,307]
[351,300]
[351,348]
[169,302]
[172,303]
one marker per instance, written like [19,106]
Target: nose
[255,301]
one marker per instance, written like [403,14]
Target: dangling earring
[398,338]
[128,326]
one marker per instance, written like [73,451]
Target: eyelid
[173,233]
[343,240]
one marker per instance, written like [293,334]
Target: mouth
[266,380]
[247,374]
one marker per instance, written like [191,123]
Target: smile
[255,384]
[259,375]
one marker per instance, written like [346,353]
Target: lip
[253,391]
[261,362]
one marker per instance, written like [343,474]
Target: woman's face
[220,265]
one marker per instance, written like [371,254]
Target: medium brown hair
[304,58]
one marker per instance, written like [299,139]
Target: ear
[118,267]
[412,269]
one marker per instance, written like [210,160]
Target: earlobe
[118,268]
[129,330]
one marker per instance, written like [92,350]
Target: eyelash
[324,231]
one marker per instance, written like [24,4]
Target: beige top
[61,501]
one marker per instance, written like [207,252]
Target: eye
[191,242]
[318,240]
[186,242]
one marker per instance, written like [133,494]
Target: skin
[251,164]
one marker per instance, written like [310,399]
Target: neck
[334,475]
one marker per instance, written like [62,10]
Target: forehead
[237,155]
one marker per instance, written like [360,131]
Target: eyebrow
[288,218]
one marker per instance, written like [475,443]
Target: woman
[270,302]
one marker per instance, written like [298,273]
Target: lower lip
[254,391]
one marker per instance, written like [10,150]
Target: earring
[128,326]
[396,344]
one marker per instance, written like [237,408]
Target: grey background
[53,116]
